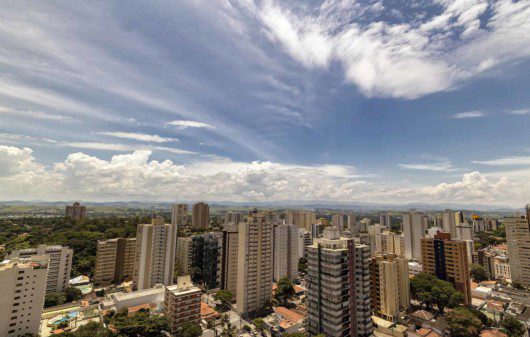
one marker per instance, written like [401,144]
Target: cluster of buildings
[357,280]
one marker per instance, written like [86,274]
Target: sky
[242,100]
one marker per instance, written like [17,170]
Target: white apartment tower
[179,214]
[414,228]
[23,284]
[59,267]
[254,272]
[518,241]
[285,252]
[390,243]
[156,245]
[338,287]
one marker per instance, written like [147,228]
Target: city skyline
[266,101]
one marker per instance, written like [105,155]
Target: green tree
[140,324]
[302,265]
[53,299]
[430,290]
[189,330]
[478,273]
[284,290]
[225,297]
[91,329]
[259,323]
[512,327]
[72,294]
[463,323]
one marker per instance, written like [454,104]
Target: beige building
[59,268]
[447,259]
[155,254]
[179,214]
[184,253]
[200,217]
[230,258]
[285,252]
[390,286]
[115,260]
[302,219]
[338,287]
[414,229]
[23,284]
[502,267]
[390,243]
[254,273]
[182,303]
[518,241]
[76,211]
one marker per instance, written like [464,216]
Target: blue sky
[380,101]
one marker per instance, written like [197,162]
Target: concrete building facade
[230,258]
[115,260]
[59,267]
[254,273]
[182,303]
[200,217]
[518,241]
[338,287]
[156,245]
[285,252]
[447,259]
[390,286]
[414,229]
[179,214]
[23,284]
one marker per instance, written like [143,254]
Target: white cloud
[190,124]
[35,114]
[520,112]
[506,161]
[469,114]
[139,136]
[134,176]
[444,166]
[399,59]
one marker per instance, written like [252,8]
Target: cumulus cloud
[135,176]
[469,114]
[190,124]
[139,136]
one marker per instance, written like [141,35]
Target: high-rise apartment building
[23,284]
[285,252]
[390,285]
[338,287]
[207,259]
[200,217]
[115,260]
[449,223]
[59,267]
[304,240]
[201,256]
[414,229]
[234,217]
[230,248]
[447,259]
[302,219]
[76,211]
[384,220]
[518,241]
[254,273]
[184,255]
[179,214]
[155,254]
[390,243]
[182,303]
[343,221]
